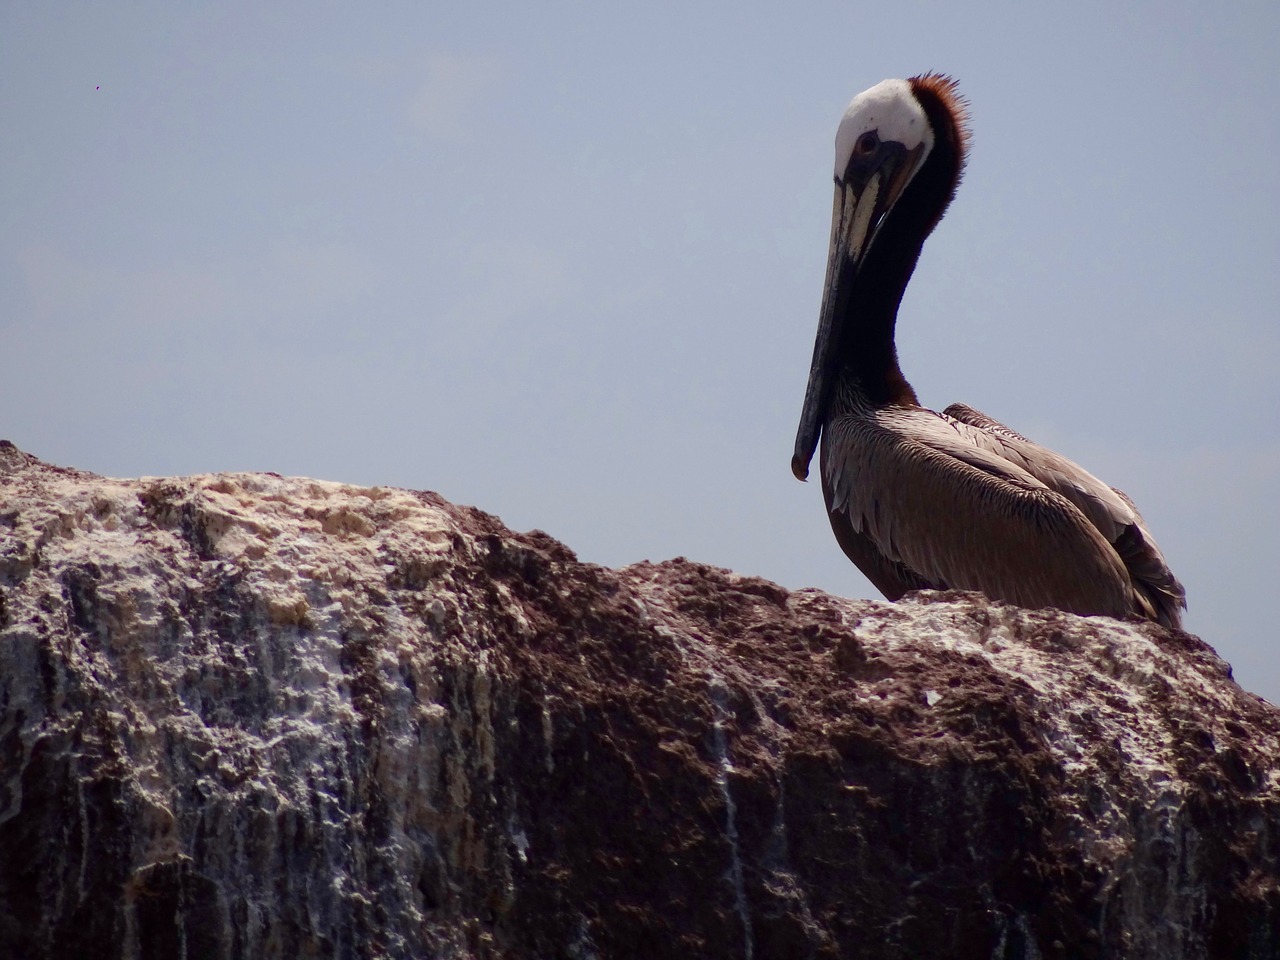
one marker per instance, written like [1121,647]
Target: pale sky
[563,261]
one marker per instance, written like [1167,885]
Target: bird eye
[868,142]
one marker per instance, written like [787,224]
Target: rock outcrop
[243,715]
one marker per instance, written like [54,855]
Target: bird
[955,500]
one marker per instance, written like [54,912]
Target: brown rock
[245,715]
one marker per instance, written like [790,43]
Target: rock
[243,715]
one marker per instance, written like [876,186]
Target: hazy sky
[563,261]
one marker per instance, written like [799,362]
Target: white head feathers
[891,109]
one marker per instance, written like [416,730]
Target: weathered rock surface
[245,715]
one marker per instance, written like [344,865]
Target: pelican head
[885,139]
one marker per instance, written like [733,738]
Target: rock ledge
[243,715]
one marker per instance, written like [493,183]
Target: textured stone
[243,715]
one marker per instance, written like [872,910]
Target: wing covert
[959,514]
[1109,509]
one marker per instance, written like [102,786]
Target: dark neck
[868,352]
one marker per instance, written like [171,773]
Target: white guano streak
[724,766]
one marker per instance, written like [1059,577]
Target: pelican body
[951,500]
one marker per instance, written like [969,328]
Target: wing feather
[958,512]
[1110,510]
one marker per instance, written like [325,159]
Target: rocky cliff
[244,715]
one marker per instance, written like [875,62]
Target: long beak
[856,217]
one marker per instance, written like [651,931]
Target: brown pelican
[919,499]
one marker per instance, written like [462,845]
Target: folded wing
[958,500]
[1110,510]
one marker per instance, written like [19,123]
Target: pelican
[951,500]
